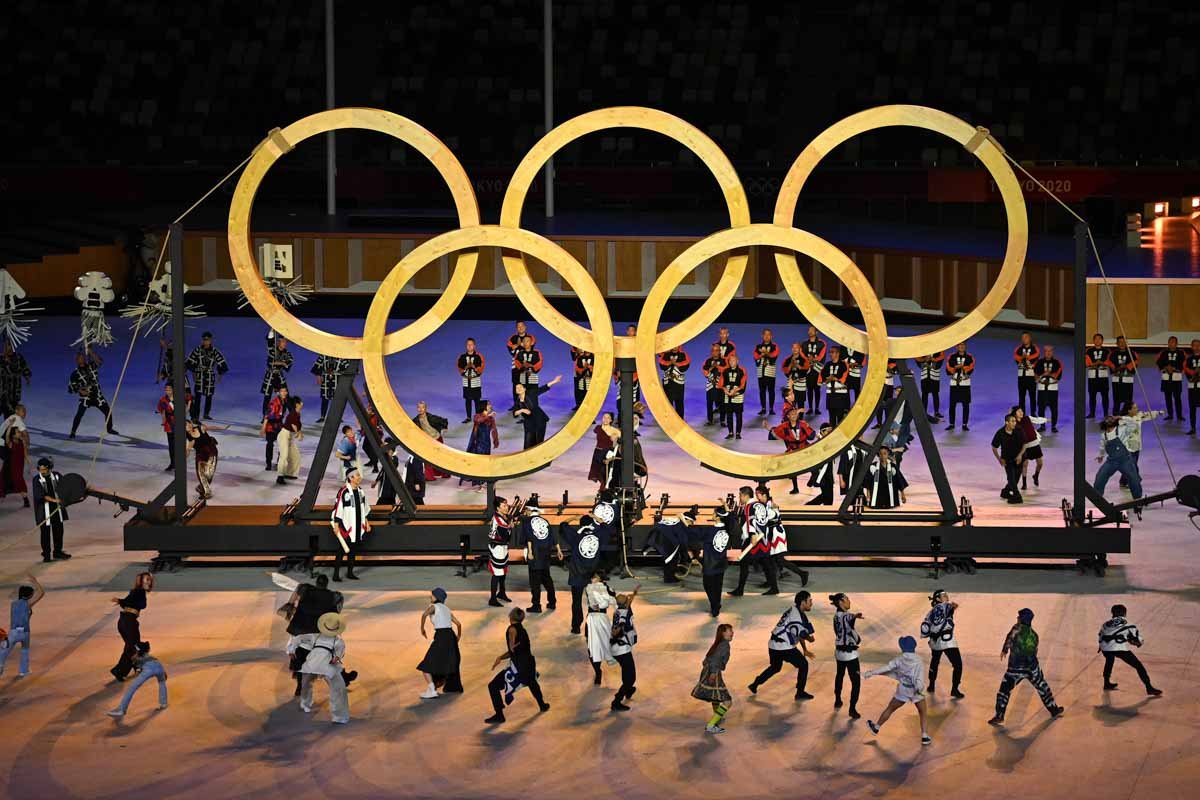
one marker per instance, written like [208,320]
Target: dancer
[715,558]
[724,344]
[290,434]
[279,361]
[714,398]
[855,359]
[206,363]
[599,597]
[751,515]
[938,628]
[85,382]
[129,622]
[14,370]
[851,463]
[1170,364]
[499,537]
[821,476]
[837,395]
[1008,446]
[931,383]
[846,641]
[906,669]
[670,538]
[1130,429]
[521,670]
[814,349]
[795,371]
[350,523]
[308,603]
[146,666]
[48,511]
[387,491]
[793,628]
[273,417]
[766,354]
[711,688]
[583,545]
[414,478]
[205,447]
[1116,636]
[585,367]
[484,435]
[440,666]
[1033,445]
[886,394]
[674,365]
[324,660]
[959,365]
[795,434]
[624,637]
[515,345]
[1191,368]
[885,483]
[733,386]
[1021,646]
[328,370]
[1048,371]
[528,362]
[528,411]
[777,543]
[432,426]
[14,439]
[538,543]
[470,366]
[20,611]
[1114,457]
[1026,355]
[166,411]
[347,450]
[607,435]
[1124,365]
[1095,360]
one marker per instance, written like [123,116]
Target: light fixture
[1196,202]
[1160,209]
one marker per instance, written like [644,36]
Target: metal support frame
[179,435]
[626,367]
[1079,422]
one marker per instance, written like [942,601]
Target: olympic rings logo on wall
[516,243]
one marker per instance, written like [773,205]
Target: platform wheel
[971,566]
[950,568]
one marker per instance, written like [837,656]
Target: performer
[795,434]
[128,623]
[387,491]
[308,603]
[48,511]
[959,366]
[14,439]
[674,365]
[766,354]
[1191,368]
[607,435]
[1170,364]
[166,366]
[711,688]
[886,394]
[854,367]
[521,670]
[851,463]
[724,344]
[1114,457]
[777,543]
[714,398]
[205,447]
[324,660]
[733,386]
[755,545]
[484,435]
[670,538]
[931,383]
[1116,636]
[793,628]
[885,482]
[328,369]
[1033,445]
[14,370]
[846,641]
[350,523]
[499,537]
[585,367]
[529,411]
[814,349]
[906,670]
[624,637]
[938,628]
[516,345]
[1008,446]
[433,426]
[1021,647]
[538,544]
[166,412]
[85,382]
[1026,355]
[715,558]
[206,363]
[795,371]
[1095,360]
[146,666]
[470,368]
[822,476]
[583,545]
[442,661]
[1130,430]
[1124,364]
[347,450]
[1048,371]
[527,362]
[290,434]
[276,412]
[279,361]
[837,394]
[414,478]
[598,597]
[19,613]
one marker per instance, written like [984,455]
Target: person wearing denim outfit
[147,667]
[27,597]
[1116,458]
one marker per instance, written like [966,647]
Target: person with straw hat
[325,661]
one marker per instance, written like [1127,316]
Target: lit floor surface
[233,729]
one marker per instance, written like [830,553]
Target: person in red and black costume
[515,345]
[766,354]
[166,409]
[470,367]
[1048,371]
[733,387]
[585,365]
[277,410]
[931,382]
[674,364]
[795,371]
[815,350]
[1095,360]
[726,345]
[959,365]
[1191,369]
[752,515]
[885,394]
[1170,364]
[1026,355]
[714,398]
[833,376]
[527,364]
[795,434]
[499,537]
[1124,364]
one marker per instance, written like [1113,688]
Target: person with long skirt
[624,637]
[521,670]
[938,628]
[846,641]
[1033,445]
[711,687]
[14,438]
[440,666]
[129,624]
[793,628]
[484,435]
[908,672]
[598,597]
[606,435]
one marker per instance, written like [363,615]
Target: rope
[1112,302]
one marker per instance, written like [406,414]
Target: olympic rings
[689,440]
[245,265]
[648,119]
[976,140]
[475,465]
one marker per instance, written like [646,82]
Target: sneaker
[996,721]
[494,603]
[1108,687]
[306,709]
[956,694]
[1057,712]
[495,719]
[281,481]
[116,713]
[770,592]
[734,593]
[62,556]
[430,693]
[926,739]
[965,428]
[713,729]
[534,610]
[854,713]
[1036,476]
[737,436]
[619,706]
[837,702]
[504,598]
[162,707]
[1150,690]
[753,688]
[544,707]
[803,696]
[1015,499]
[729,436]
[874,728]
[551,606]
